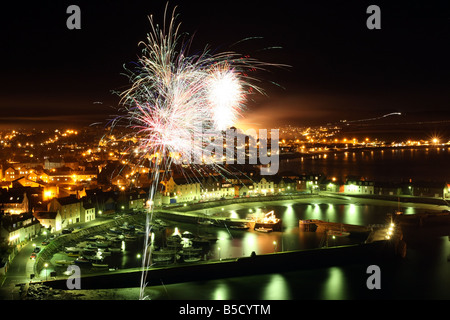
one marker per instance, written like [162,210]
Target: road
[19,271]
[21,267]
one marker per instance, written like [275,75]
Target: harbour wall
[369,253]
[66,240]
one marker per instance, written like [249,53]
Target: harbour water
[423,274]
[390,164]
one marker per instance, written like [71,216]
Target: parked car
[37,249]
[33,255]
[67,230]
[45,242]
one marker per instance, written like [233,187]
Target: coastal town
[68,178]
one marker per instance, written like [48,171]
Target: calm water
[380,164]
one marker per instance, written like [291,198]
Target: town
[53,181]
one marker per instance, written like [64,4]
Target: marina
[187,243]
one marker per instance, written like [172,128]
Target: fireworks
[175,97]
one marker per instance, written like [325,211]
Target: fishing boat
[243,226]
[115,231]
[73,254]
[192,259]
[162,259]
[163,255]
[99,264]
[104,252]
[82,261]
[102,244]
[115,250]
[129,237]
[161,223]
[268,221]
[262,229]
[200,242]
[338,233]
[63,262]
[187,235]
[72,249]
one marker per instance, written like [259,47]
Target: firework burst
[172,98]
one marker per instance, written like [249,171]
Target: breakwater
[369,253]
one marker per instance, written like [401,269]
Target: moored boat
[82,261]
[63,262]
[262,229]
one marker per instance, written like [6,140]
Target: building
[12,202]
[70,209]
[88,212]
[17,228]
[387,189]
[49,220]
[429,189]
[359,187]
[447,191]
[309,183]
[11,174]
[263,187]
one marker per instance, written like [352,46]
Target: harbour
[245,253]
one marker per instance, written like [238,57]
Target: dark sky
[339,69]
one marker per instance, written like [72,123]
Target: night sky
[51,76]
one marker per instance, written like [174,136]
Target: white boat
[262,229]
[130,237]
[72,249]
[115,249]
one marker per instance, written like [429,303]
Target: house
[134,201]
[387,189]
[331,185]
[446,191]
[11,174]
[70,209]
[283,185]
[263,187]
[13,202]
[429,189]
[49,220]
[309,182]
[88,212]
[18,228]
[25,182]
[359,187]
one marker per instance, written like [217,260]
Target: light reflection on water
[424,273]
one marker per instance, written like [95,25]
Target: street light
[219,253]
[46,273]
[274,246]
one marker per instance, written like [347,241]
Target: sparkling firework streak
[173,97]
